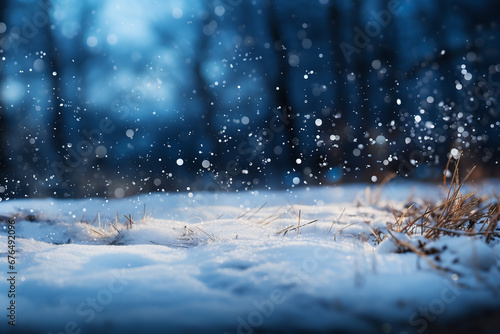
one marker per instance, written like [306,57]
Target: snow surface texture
[214,263]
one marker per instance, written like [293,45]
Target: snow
[214,263]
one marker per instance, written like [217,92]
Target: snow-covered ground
[226,263]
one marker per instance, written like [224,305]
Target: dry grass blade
[130,221]
[338,220]
[211,237]
[295,228]
[489,232]
[399,222]
[285,229]
[146,217]
[343,228]
[377,235]
[465,233]
[247,212]
[118,237]
[253,214]
[99,232]
[269,222]
[263,220]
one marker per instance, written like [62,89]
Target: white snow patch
[214,263]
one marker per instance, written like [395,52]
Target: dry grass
[458,214]
[111,232]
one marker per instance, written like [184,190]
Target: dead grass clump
[459,214]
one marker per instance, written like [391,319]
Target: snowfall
[239,263]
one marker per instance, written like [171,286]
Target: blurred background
[113,98]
